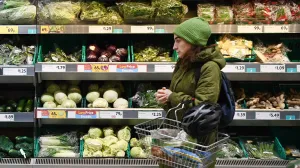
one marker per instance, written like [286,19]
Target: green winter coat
[184,87]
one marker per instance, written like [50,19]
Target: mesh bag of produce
[224,14]
[243,11]
[61,13]
[136,12]
[206,11]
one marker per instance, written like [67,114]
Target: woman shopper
[190,43]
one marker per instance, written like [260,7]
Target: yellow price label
[57,114]
[52,29]
[100,67]
[9,29]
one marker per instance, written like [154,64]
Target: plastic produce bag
[92,11]
[280,12]
[262,12]
[206,11]
[224,14]
[111,18]
[244,11]
[20,15]
[57,151]
[136,11]
[4,53]
[66,139]
[230,150]
[61,13]
[7,4]
[16,57]
[295,11]
[172,12]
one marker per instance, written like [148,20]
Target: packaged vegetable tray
[207,12]
[224,14]
[262,148]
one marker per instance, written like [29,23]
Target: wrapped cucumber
[21,105]
[29,106]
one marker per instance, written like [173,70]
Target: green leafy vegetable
[92,11]
[5,144]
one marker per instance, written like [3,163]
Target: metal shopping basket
[171,146]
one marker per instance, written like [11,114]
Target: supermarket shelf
[86,116]
[18,29]
[15,163]
[241,71]
[251,163]
[17,74]
[168,29]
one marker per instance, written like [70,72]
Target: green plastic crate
[66,43]
[127,153]
[278,149]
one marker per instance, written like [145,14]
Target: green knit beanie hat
[196,31]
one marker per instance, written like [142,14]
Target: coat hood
[211,54]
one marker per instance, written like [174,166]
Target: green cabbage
[110,96]
[92,96]
[46,97]
[76,97]
[49,105]
[100,103]
[69,104]
[60,97]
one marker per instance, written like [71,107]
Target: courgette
[2,108]
[29,106]
[12,104]
[9,109]
[21,105]
[22,139]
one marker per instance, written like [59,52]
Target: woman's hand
[162,95]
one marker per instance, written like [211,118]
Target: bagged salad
[206,11]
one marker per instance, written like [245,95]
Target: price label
[52,29]
[15,71]
[57,114]
[9,29]
[100,29]
[142,29]
[240,115]
[276,29]
[54,68]
[234,68]
[250,29]
[127,68]
[111,114]
[164,68]
[100,67]
[7,117]
[267,115]
[82,114]
[272,68]
[149,114]
[298,68]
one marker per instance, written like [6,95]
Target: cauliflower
[52,88]
[60,97]
[122,145]
[92,96]
[100,103]
[97,154]
[93,144]
[49,105]
[95,132]
[76,97]
[69,104]
[121,103]
[109,140]
[120,154]
[47,97]
[124,134]
[108,131]
[135,143]
[138,152]
[110,96]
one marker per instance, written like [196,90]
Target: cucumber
[2,108]
[29,106]
[9,109]
[22,139]
[21,105]
[12,104]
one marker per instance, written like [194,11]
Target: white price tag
[250,29]
[234,68]
[298,68]
[142,29]
[267,115]
[100,29]
[54,68]
[111,114]
[7,117]
[149,114]
[240,116]
[164,68]
[15,71]
[276,29]
[272,68]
